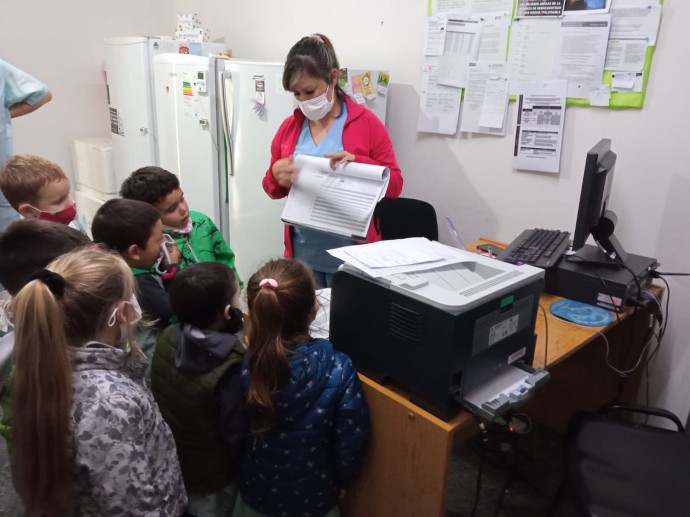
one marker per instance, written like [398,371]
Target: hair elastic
[268,282]
[53,280]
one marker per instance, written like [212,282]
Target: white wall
[468,178]
[61,43]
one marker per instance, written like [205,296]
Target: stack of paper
[399,256]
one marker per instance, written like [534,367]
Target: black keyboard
[536,247]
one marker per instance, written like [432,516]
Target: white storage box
[92,159]
[88,202]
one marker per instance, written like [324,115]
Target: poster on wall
[539,128]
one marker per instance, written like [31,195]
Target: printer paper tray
[505,390]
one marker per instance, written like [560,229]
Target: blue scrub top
[310,245]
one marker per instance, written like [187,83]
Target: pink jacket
[363,135]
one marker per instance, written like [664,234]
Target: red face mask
[64,216]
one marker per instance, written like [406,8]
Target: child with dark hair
[134,230]
[195,380]
[25,247]
[198,239]
[30,244]
[308,418]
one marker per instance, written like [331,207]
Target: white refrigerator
[216,119]
[128,69]
[211,136]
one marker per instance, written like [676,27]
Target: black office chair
[621,468]
[402,217]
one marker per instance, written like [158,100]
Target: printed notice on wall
[539,130]
[527,8]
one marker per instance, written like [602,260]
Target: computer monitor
[593,216]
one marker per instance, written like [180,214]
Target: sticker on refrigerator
[115,122]
[187,89]
[259,100]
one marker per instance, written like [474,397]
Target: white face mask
[137,311]
[318,107]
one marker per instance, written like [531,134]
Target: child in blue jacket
[308,417]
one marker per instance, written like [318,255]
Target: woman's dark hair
[279,317]
[200,293]
[312,56]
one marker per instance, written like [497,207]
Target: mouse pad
[581,313]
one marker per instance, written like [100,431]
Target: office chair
[621,468]
[402,217]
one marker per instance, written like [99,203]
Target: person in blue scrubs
[20,94]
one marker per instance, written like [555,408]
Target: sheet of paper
[462,46]
[481,99]
[586,7]
[636,23]
[627,82]
[435,35]
[397,256]
[451,6]
[600,96]
[491,6]
[341,202]
[582,52]
[539,129]
[532,50]
[495,106]
[439,105]
[539,8]
[626,55]
[493,41]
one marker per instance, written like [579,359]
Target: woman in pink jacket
[327,124]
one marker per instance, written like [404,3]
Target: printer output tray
[504,391]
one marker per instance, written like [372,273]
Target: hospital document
[340,202]
[582,52]
[539,130]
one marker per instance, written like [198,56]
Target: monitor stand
[594,256]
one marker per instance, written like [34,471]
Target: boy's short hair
[120,223]
[24,175]
[149,184]
[31,244]
[201,291]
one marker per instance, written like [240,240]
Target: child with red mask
[38,189]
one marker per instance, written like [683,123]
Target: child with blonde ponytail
[308,417]
[90,440]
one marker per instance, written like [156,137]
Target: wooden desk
[405,472]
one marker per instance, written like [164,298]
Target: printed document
[439,105]
[435,35]
[486,98]
[636,22]
[539,131]
[339,202]
[493,42]
[462,46]
[383,258]
[532,50]
[626,55]
[582,52]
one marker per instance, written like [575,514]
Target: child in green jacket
[198,239]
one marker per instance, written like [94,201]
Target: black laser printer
[461,333]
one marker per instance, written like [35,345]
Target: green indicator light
[508,300]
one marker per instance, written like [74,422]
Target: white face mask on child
[124,327]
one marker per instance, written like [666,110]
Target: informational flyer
[486,98]
[439,105]
[462,46]
[532,50]
[539,129]
[582,52]
[539,8]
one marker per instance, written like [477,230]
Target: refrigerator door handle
[227,106]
